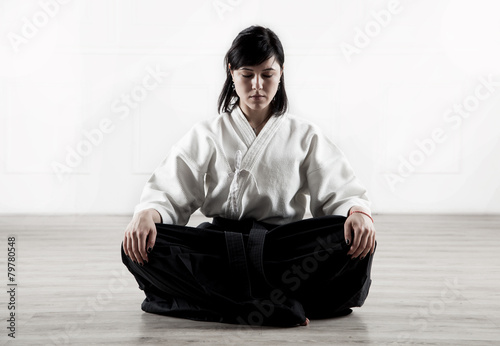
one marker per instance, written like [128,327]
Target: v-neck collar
[254,143]
[246,129]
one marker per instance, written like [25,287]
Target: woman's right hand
[141,228]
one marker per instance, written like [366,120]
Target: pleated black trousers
[248,272]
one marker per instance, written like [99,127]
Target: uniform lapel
[255,144]
[243,127]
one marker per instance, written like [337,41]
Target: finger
[142,247]
[363,238]
[151,240]
[374,244]
[368,247]
[133,248]
[124,245]
[356,240]
[348,232]
[137,248]
[130,248]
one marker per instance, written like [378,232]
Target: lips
[257,96]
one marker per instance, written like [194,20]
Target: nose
[257,83]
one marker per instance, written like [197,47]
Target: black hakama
[249,272]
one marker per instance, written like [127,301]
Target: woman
[250,169]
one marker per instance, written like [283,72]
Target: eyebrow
[249,69]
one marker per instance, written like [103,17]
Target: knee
[205,225]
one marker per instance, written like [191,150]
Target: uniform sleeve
[332,184]
[176,188]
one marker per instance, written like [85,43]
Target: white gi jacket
[223,168]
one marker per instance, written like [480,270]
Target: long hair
[251,47]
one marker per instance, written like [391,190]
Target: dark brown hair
[251,47]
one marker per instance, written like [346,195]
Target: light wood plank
[436,281]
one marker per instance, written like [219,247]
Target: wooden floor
[435,282]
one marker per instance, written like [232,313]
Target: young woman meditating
[250,169]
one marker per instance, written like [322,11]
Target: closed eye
[266,75]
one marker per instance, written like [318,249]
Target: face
[257,85]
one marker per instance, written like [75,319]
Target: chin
[259,107]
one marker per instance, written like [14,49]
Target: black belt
[241,258]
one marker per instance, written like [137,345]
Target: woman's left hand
[359,232]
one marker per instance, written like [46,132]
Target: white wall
[389,99]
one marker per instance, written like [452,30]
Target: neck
[256,118]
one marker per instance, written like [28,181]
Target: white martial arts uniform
[223,168]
